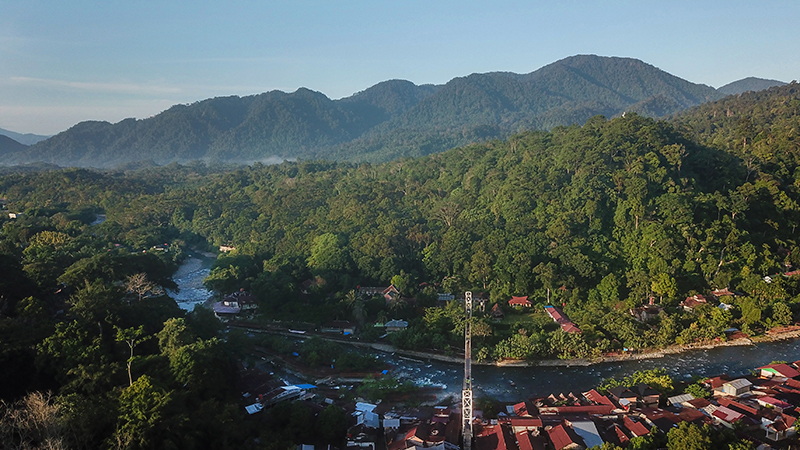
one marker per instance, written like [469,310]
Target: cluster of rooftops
[761,408]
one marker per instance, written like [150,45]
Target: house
[520,301]
[778,426]
[597,398]
[391,293]
[245,300]
[587,430]
[660,418]
[646,395]
[679,400]
[622,439]
[716,383]
[339,327]
[365,415]
[726,416]
[524,441]
[497,312]
[693,302]
[560,318]
[369,291]
[446,297]
[635,428]
[439,432]
[737,387]
[226,248]
[492,437]
[620,393]
[701,404]
[479,301]
[395,325]
[779,370]
[234,304]
[773,403]
[646,312]
[522,409]
[287,393]
[718,293]
[524,424]
[694,416]
[362,437]
[746,410]
[564,437]
[226,311]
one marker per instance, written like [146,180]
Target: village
[760,408]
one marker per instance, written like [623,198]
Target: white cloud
[104,87]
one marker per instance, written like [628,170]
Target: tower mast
[466,390]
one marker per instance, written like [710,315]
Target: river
[189,278]
[496,382]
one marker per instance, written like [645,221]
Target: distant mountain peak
[26,138]
[748,84]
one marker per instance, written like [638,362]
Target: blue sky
[65,62]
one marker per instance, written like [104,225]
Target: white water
[189,278]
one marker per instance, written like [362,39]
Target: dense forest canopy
[596,219]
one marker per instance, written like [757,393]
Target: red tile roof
[524,440]
[691,415]
[698,403]
[596,397]
[694,301]
[623,438]
[718,381]
[781,369]
[525,422]
[740,407]
[793,383]
[521,409]
[519,301]
[491,438]
[560,437]
[636,428]
[585,409]
[727,414]
[774,402]
[722,292]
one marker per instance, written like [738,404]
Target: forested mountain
[748,84]
[389,120]
[27,138]
[569,91]
[8,146]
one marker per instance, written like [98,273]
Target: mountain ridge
[389,120]
[748,84]
[23,138]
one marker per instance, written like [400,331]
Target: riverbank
[582,362]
